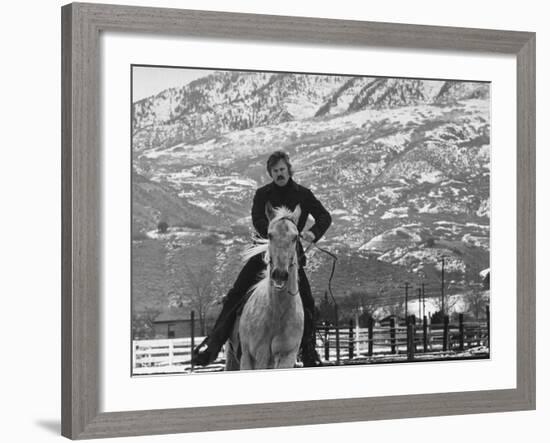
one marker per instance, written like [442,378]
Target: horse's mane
[262,285]
[280,212]
[261,245]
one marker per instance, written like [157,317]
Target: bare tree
[142,324]
[227,268]
[357,303]
[388,298]
[396,309]
[201,291]
[450,303]
[477,300]
[191,280]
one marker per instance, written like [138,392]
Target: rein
[334,260]
[325,251]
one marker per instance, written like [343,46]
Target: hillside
[153,202]
[403,165]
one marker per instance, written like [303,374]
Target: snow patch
[430,177]
[396,213]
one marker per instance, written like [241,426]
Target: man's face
[280,173]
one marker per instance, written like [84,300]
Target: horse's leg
[231,357]
[284,360]
[247,362]
[263,358]
[232,362]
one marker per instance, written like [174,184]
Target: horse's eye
[270,236]
[295,238]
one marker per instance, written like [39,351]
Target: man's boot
[207,352]
[310,357]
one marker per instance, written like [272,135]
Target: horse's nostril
[279,275]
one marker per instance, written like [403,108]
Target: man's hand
[308,236]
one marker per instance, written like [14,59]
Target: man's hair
[275,158]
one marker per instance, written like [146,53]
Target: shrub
[437,317]
[162,227]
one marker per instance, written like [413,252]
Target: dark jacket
[290,196]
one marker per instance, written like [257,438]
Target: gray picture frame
[81,205]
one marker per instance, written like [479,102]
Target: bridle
[293,263]
[325,251]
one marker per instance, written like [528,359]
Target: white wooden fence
[167,356]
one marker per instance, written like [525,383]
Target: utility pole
[423,301]
[419,303]
[443,285]
[406,300]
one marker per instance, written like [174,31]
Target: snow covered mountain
[232,101]
[403,165]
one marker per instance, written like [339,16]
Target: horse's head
[283,237]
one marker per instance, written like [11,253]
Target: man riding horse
[282,191]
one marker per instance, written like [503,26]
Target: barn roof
[173,314]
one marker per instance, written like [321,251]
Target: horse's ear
[269,212]
[296,214]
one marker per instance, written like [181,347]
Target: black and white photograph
[307,220]
[275,221]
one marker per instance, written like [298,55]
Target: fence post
[170,353]
[413,320]
[357,337]
[445,332]
[336,325]
[410,338]
[337,330]
[487,312]
[392,335]
[350,340]
[327,342]
[425,333]
[461,331]
[192,338]
[371,335]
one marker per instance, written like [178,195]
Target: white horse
[271,325]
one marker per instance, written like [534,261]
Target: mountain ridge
[391,159]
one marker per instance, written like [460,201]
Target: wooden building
[173,323]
